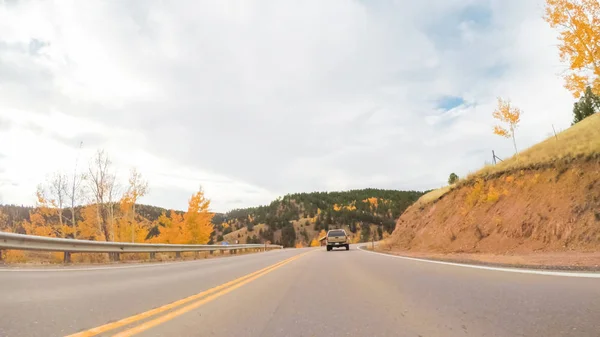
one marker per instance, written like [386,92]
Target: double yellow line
[202,297]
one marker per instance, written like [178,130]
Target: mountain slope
[297,219]
[546,199]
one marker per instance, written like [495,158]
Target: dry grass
[433,196]
[582,140]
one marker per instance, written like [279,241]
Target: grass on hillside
[433,195]
[582,140]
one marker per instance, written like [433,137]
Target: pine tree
[588,105]
[453,178]
[365,233]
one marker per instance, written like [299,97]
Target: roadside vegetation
[94,205]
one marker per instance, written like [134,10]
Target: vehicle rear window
[336,233]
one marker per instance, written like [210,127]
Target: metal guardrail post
[67,257]
[152,256]
[178,255]
[1,256]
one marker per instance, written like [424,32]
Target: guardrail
[69,246]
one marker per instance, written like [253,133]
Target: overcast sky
[257,99]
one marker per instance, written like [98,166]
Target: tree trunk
[104,223]
[111,217]
[133,223]
[60,221]
[514,141]
[73,221]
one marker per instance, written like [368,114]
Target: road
[306,292]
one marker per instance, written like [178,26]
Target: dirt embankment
[552,209]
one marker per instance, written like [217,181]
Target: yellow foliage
[15,256]
[509,179]
[322,234]
[89,227]
[350,207]
[315,243]
[171,228]
[299,245]
[509,115]
[127,230]
[492,195]
[475,194]
[198,219]
[194,227]
[373,201]
[37,224]
[578,22]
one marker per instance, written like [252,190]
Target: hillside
[546,199]
[297,219]
[292,220]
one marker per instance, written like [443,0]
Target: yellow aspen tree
[87,228]
[198,219]
[124,224]
[38,224]
[578,23]
[57,189]
[511,116]
[171,227]
[138,187]
[101,183]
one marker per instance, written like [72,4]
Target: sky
[251,100]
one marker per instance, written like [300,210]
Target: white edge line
[509,270]
[140,265]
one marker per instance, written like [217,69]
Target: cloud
[257,99]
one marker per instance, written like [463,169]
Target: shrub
[453,178]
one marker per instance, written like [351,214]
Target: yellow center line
[169,316]
[131,319]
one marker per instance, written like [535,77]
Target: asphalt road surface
[296,292]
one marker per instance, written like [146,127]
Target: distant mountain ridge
[291,220]
[296,219]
